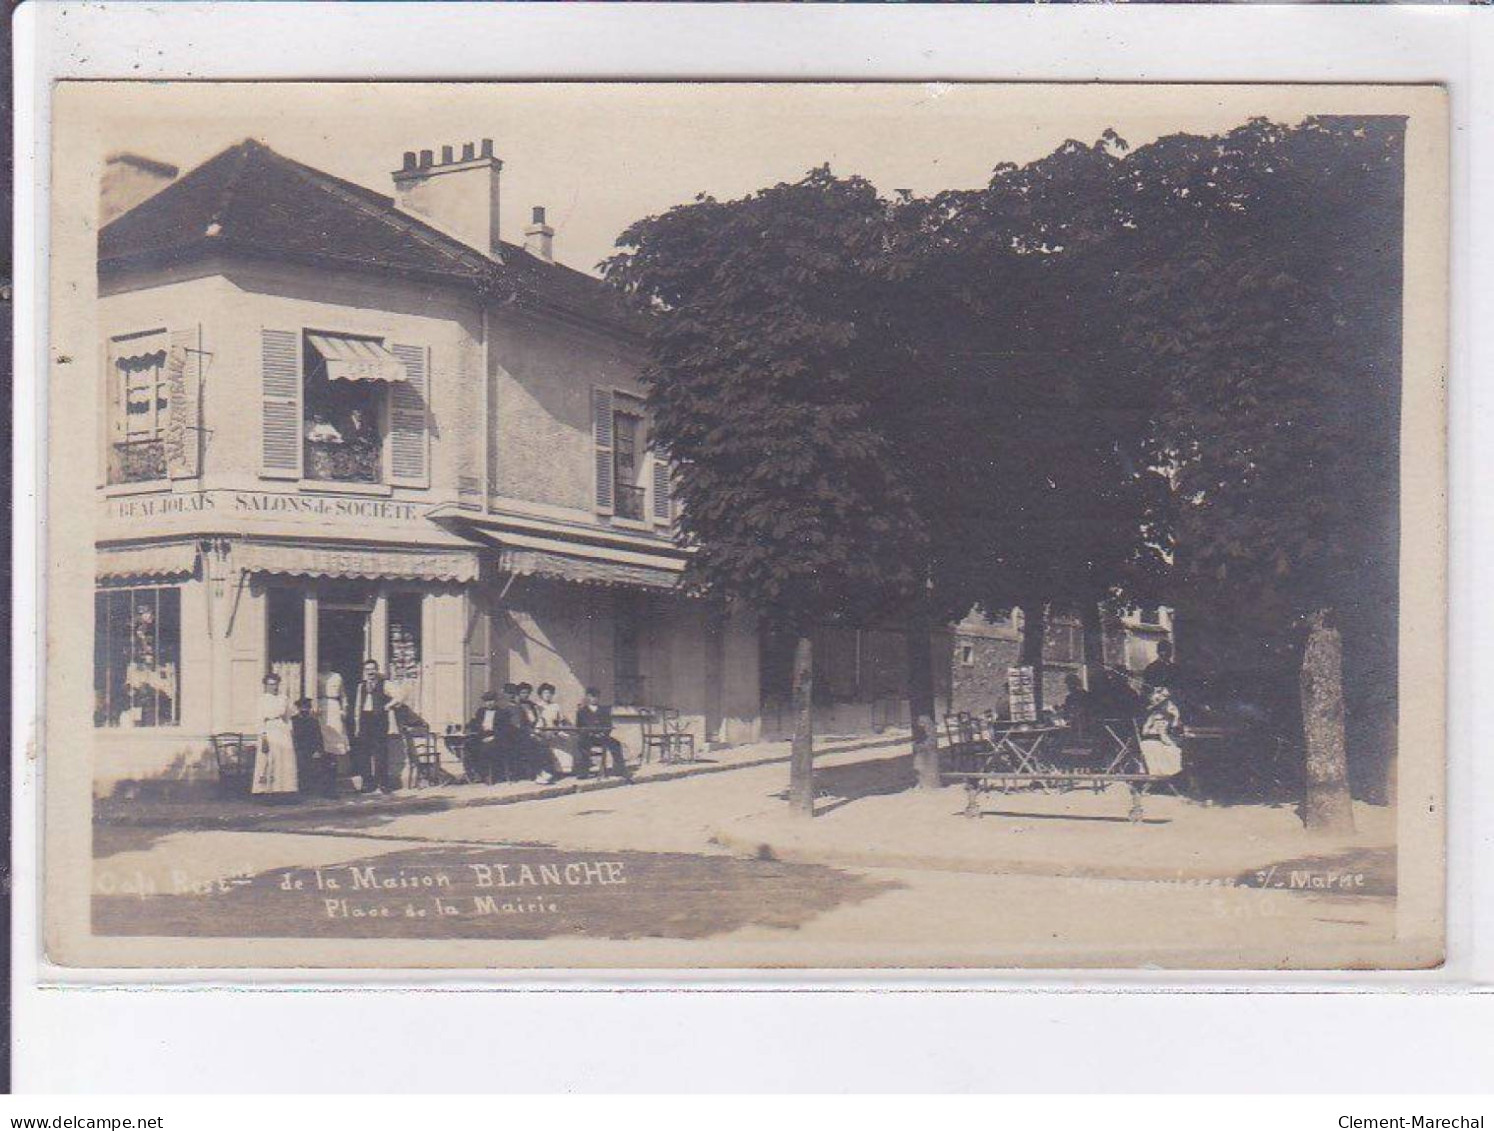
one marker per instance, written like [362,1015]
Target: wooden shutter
[409,415]
[111,406]
[601,426]
[663,509]
[182,433]
[280,404]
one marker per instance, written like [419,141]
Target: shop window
[140,407]
[285,638]
[137,657]
[344,407]
[404,638]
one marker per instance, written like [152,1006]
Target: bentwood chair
[682,741]
[664,732]
[422,758]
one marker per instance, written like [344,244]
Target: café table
[1022,744]
[462,746]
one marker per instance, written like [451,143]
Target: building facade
[339,425]
[984,646]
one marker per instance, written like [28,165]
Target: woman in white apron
[275,763]
[334,716]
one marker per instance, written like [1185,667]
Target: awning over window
[585,571]
[163,559]
[355,562]
[356,359]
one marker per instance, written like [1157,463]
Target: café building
[338,425]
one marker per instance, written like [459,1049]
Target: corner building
[339,425]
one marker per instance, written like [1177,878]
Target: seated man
[491,738]
[595,723]
[316,770]
[1078,708]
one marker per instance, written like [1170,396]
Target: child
[315,769]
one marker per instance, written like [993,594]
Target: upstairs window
[140,406]
[627,468]
[343,407]
[628,465]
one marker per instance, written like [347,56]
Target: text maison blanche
[1414,1122]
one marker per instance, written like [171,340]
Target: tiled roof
[251,201]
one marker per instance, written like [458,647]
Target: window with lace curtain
[139,406]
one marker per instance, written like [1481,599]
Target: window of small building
[342,420]
[140,406]
[137,657]
[1151,615]
[967,655]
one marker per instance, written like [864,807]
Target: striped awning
[157,559]
[356,359]
[585,571]
[362,563]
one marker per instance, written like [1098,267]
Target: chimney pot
[426,158]
[539,237]
[468,151]
[487,147]
[409,160]
[446,155]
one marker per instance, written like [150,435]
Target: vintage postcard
[713,527]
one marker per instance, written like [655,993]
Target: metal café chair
[234,754]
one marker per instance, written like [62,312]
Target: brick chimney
[130,179]
[458,194]
[539,237]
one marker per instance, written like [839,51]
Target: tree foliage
[762,331]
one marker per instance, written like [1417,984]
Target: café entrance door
[343,644]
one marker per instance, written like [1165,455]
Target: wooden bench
[982,781]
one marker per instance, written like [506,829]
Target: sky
[600,156]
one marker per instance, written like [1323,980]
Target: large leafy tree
[762,327]
[1267,286]
[1045,489]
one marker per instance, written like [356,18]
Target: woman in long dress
[334,712]
[275,763]
[1159,747]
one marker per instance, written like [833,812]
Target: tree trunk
[1094,644]
[921,697]
[1327,806]
[801,758]
[1034,628]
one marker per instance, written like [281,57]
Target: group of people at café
[1159,721]
[515,737]
[518,736]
